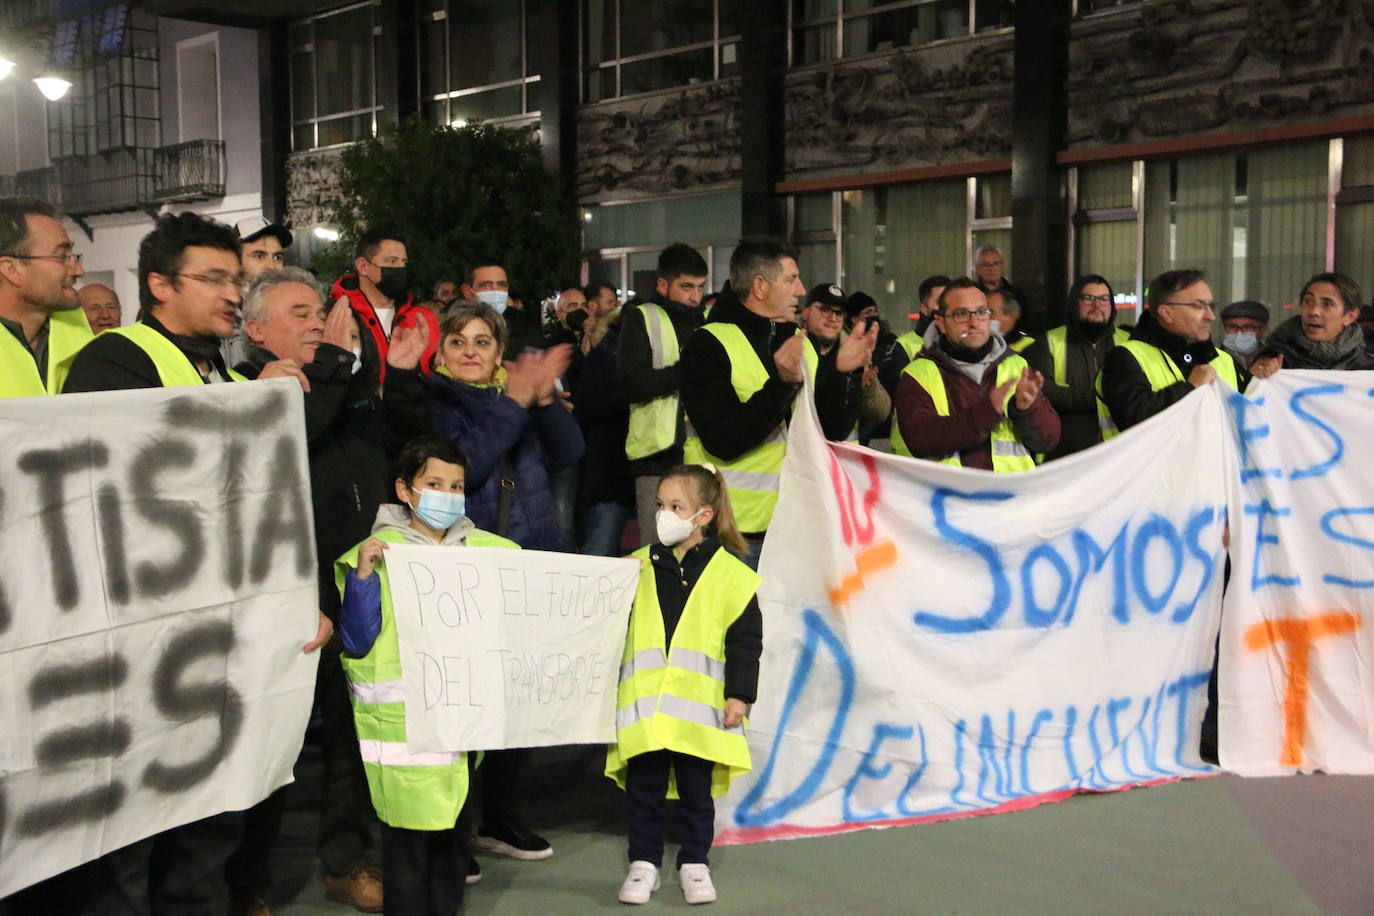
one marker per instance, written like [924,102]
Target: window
[333,90]
[474,60]
[198,88]
[113,102]
[633,46]
[1355,208]
[1106,229]
[823,30]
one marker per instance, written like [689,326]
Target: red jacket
[407,313]
[972,418]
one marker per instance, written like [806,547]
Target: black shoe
[474,873]
[510,837]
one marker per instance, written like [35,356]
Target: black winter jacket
[641,382]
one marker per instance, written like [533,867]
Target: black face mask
[393,282]
[575,320]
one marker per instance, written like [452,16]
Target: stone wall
[1176,68]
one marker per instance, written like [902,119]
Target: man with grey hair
[1006,317]
[347,431]
[988,268]
[740,373]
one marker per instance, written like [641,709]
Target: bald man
[101,305]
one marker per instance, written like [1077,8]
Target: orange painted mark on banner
[868,561]
[1297,636]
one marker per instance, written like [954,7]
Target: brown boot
[360,887]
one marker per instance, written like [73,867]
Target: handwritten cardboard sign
[158,585]
[509,648]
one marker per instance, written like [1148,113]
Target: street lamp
[52,87]
[6,65]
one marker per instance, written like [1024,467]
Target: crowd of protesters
[568,418]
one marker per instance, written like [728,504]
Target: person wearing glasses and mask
[1169,354]
[967,399]
[1070,356]
[44,325]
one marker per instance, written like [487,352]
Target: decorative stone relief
[312,188]
[1182,67]
[671,143]
[917,107]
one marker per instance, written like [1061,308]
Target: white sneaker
[696,883]
[640,882]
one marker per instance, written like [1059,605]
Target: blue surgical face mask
[439,509]
[496,298]
[1243,342]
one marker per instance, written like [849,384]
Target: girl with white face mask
[689,675]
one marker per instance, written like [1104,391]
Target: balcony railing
[189,171]
[108,182]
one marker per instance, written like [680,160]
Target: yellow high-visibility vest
[68,332]
[1008,452]
[1161,372]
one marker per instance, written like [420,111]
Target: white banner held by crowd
[1297,692]
[158,586]
[943,642]
[509,648]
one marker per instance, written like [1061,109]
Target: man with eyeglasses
[44,325]
[988,267]
[1170,353]
[967,399]
[1070,356]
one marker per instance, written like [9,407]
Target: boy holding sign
[689,675]
[418,796]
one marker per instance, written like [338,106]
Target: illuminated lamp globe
[52,87]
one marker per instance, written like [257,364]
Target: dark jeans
[424,872]
[346,812]
[175,873]
[247,872]
[602,526]
[646,790]
[498,778]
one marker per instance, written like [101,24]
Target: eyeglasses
[834,311]
[1105,300]
[1201,305]
[989,263]
[223,281]
[959,316]
[71,258]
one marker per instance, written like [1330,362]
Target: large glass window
[1355,210]
[632,46]
[474,61]
[825,29]
[113,102]
[333,89]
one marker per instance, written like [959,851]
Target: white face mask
[496,298]
[996,326]
[672,528]
[357,360]
[1243,342]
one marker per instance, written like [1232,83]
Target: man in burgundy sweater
[967,398]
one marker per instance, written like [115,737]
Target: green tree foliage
[459,194]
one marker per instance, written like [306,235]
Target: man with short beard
[1325,335]
[1070,356]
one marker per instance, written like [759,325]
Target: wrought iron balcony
[193,170]
[107,182]
[41,183]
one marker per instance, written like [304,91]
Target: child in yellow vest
[689,675]
[418,796]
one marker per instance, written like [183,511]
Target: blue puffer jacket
[488,427]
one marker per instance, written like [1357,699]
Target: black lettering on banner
[233,512]
[289,524]
[175,515]
[5,619]
[205,416]
[107,738]
[112,531]
[187,702]
[51,467]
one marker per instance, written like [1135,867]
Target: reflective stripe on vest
[653,424]
[1009,454]
[174,369]
[675,699]
[1160,372]
[68,332]
[411,790]
[752,478]
[1057,342]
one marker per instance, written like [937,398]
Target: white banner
[1297,692]
[509,648]
[158,586]
[943,642]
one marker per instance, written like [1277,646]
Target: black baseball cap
[826,294]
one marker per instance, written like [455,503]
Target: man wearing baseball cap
[261,247]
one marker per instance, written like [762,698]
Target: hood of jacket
[396,518]
[1074,322]
[975,370]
